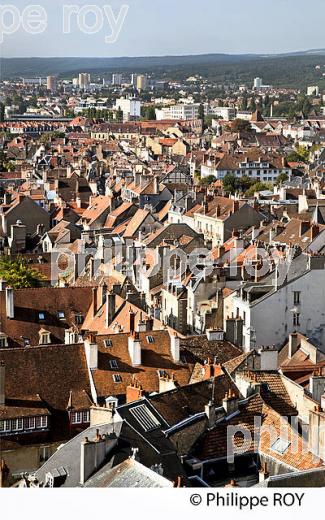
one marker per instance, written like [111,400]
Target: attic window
[79,319]
[113,363]
[280,446]
[150,339]
[61,315]
[107,343]
[3,340]
[26,342]
[117,378]
[41,316]
[44,337]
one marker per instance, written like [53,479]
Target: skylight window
[117,378]
[150,339]
[41,316]
[145,417]
[61,315]
[107,343]
[113,363]
[280,446]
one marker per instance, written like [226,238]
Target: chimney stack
[230,402]
[110,307]
[263,473]
[134,391]
[175,347]
[91,351]
[2,383]
[293,344]
[134,345]
[10,308]
[95,306]
[210,412]
[132,321]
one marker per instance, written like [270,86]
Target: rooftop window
[280,446]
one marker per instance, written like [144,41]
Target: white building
[117,79]
[313,91]
[270,314]
[181,111]
[258,82]
[131,108]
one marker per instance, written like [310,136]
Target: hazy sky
[160,27]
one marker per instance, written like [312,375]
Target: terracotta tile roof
[29,303]
[213,444]
[273,390]
[50,371]
[23,407]
[179,404]
[135,223]
[202,348]
[155,356]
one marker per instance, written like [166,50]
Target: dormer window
[44,337]
[111,403]
[79,319]
[3,340]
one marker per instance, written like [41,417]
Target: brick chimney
[314,231]
[2,383]
[211,369]
[230,402]
[134,391]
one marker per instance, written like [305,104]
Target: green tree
[283,177]
[258,186]
[201,113]
[206,181]
[18,274]
[230,183]
[119,115]
[299,154]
